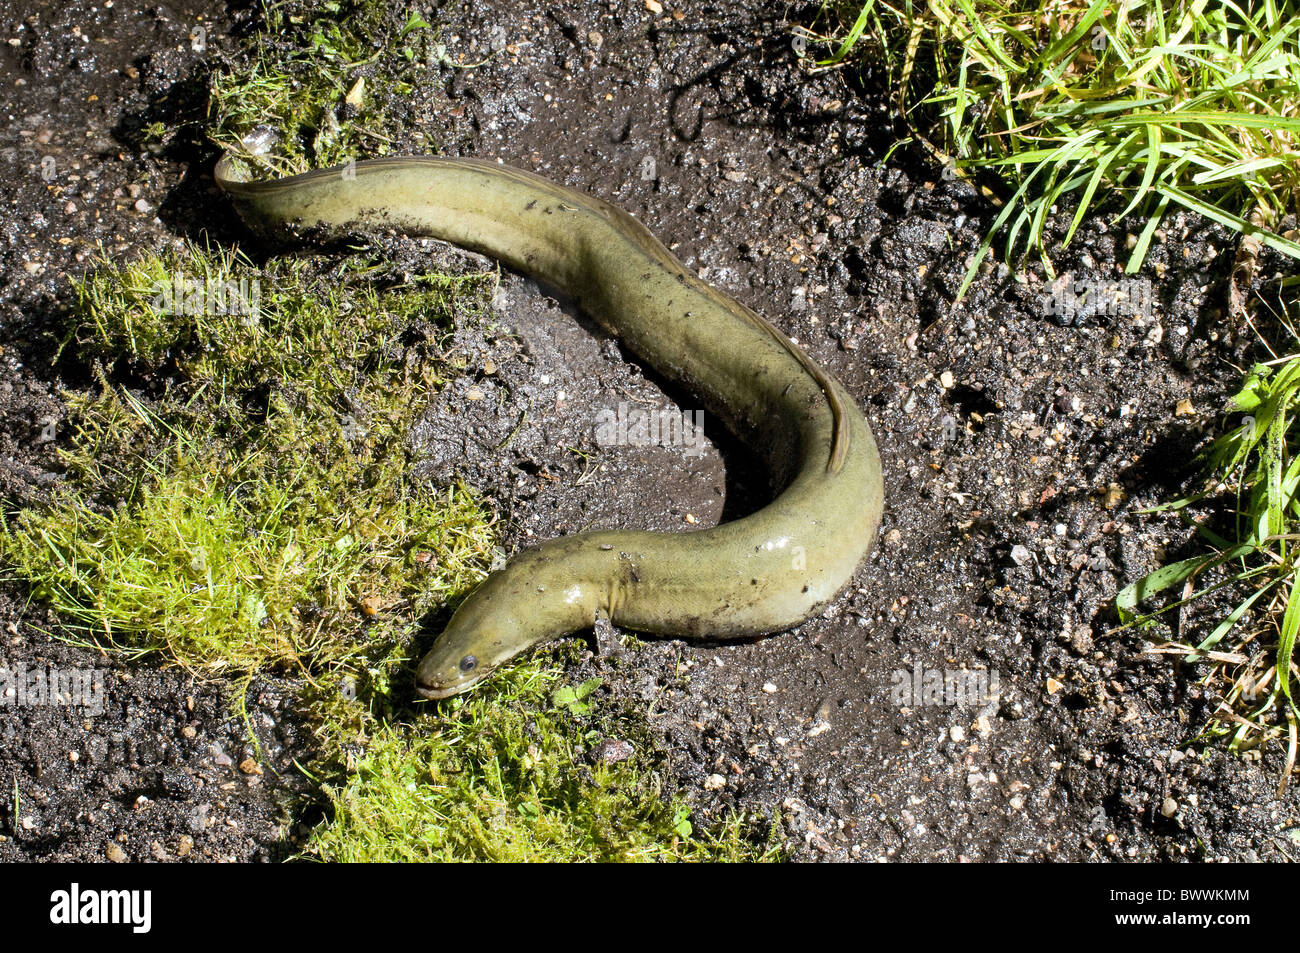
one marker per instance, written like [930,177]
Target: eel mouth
[434,691]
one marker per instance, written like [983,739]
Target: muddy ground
[1019,446]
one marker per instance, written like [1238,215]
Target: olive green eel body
[761,574]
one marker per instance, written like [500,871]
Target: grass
[1250,565]
[1134,107]
[265,497]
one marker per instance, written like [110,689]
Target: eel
[764,573]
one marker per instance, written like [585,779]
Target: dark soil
[1019,447]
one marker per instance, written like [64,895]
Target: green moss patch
[502,777]
[322,84]
[260,511]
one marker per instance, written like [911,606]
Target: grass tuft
[1142,106]
[1251,562]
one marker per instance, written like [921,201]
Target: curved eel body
[761,574]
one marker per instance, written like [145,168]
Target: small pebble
[116,854]
[612,751]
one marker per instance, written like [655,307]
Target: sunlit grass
[1134,107]
[1253,565]
[261,510]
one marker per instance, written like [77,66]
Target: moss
[260,511]
[498,778]
[322,84]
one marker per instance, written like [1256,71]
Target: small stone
[115,853]
[1068,404]
[654,6]
[595,39]
[143,207]
[184,846]
[769,688]
[249,766]
[1017,802]
[473,394]
[1114,496]
[1020,555]
[715,782]
[612,751]
[1184,408]
[189,732]
[1053,686]
[957,733]
[1168,807]
[947,380]
[357,94]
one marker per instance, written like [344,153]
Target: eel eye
[468,663]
